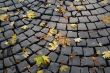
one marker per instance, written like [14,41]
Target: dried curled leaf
[78,40]
[73,26]
[106,54]
[4,17]
[25,27]
[52,31]
[53,46]
[25,52]
[64,41]
[106,19]
[42,24]
[60,9]
[41,60]
[64,68]
[30,14]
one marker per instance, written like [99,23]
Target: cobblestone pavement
[92,30]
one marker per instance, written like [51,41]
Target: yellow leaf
[79,8]
[73,26]
[106,54]
[40,71]
[60,9]
[46,59]
[25,27]
[64,68]
[13,39]
[77,40]
[106,19]
[53,46]
[52,31]
[104,1]
[30,14]
[4,17]
[42,24]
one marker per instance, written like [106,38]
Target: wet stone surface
[95,35]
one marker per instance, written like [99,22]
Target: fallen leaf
[53,46]
[52,31]
[106,54]
[60,9]
[25,27]
[106,19]
[78,40]
[42,24]
[4,17]
[25,52]
[41,60]
[72,56]
[98,52]
[100,44]
[104,1]
[30,14]
[40,71]
[64,41]
[6,43]
[12,23]
[46,59]
[79,8]
[64,68]
[73,26]
[12,41]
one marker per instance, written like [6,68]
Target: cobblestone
[79,57]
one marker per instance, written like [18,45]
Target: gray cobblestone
[79,57]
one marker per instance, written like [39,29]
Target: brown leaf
[4,17]
[64,41]
[106,19]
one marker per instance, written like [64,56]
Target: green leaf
[64,68]
[41,60]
